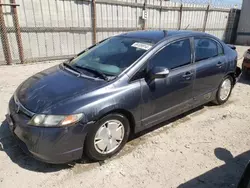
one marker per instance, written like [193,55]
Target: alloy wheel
[225,89]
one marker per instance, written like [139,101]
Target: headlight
[54,120]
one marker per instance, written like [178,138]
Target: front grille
[19,108]
[17,116]
[25,111]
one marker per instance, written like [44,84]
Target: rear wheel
[107,137]
[224,90]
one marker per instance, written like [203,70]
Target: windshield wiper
[72,68]
[100,74]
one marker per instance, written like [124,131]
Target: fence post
[94,21]
[144,21]
[160,14]
[18,31]
[180,17]
[232,25]
[205,19]
[4,37]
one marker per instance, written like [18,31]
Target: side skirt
[175,111]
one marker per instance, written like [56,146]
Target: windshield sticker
[141,46]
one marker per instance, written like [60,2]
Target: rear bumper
[52,145]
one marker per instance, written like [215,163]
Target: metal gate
[46,30]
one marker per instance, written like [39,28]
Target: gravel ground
[208,147]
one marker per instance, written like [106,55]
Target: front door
[164,97]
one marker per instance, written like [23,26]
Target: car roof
[157,35]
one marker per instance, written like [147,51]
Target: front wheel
[107,137]
[224,90]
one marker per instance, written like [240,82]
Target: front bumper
[49,144]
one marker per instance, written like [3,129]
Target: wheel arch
[128,114]
[232,75]
[87,151]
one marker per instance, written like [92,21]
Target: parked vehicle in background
[246,63]
[120,86]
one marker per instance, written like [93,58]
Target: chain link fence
[46,30]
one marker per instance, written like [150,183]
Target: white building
[243,33]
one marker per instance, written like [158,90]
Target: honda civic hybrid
[90,104]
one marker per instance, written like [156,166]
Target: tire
[220,98]
[100,138]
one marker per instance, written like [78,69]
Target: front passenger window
[172,56]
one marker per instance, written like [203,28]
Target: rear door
[210,67]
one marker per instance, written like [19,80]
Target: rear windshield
[113,55]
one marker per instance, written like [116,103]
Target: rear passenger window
[205,49]
[174,55]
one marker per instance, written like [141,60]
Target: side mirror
[158,72]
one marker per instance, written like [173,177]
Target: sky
[233,1]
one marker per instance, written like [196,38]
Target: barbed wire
[213,3]
[59,29]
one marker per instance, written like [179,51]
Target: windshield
[113,55]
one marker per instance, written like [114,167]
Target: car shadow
[8,144]
[224,176]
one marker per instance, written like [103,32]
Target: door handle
[187,75]
[219,64]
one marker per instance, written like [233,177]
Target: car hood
[47,88]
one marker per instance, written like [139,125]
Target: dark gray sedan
[120,86]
